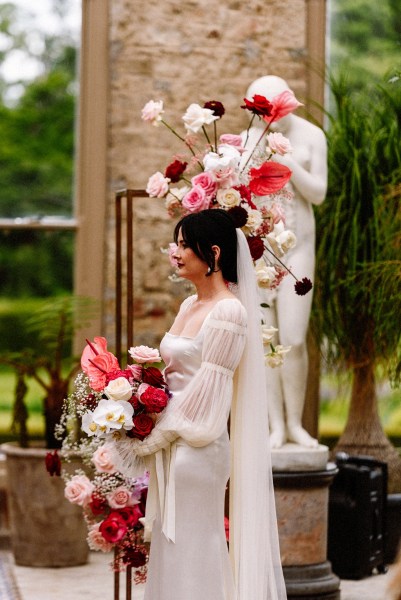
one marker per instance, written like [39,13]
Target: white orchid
[109,415]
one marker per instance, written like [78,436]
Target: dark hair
[207,228]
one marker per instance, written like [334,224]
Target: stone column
[302,478]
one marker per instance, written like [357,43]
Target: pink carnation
[226,177]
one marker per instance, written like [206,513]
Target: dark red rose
[98,504]
[154,399]
[143,425]
[175,170]
[53,463]
[113,528]
[216,106]
[135,402]
[135,557]
[131,514]
[256,246]
[153,376]
[303,287]
[127,373]
[239,215]
[259,105]
[143,498]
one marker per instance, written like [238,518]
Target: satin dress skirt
[196,566]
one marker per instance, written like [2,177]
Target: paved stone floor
[94,581]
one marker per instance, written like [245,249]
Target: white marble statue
[289,312]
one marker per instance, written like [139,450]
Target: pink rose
[79,490]
[232,140]
[278,143]
[120,498]
[96,540]
[136,371]
[196,200]
[157,185]
[172,249]
[102,460]
[144,354]
[205,181]
[226,177]
[152,112]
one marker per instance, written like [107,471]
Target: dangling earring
[209,271]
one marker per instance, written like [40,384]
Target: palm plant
[53,366]
[357,309]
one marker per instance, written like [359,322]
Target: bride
[214,368]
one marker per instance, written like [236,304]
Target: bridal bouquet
[221,172]
[110,399]
[106,400]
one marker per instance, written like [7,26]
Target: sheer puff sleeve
[199,415]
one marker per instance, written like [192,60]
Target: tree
[358,292]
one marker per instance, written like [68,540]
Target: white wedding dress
[196,565]
[190,458]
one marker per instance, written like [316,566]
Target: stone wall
[182,52]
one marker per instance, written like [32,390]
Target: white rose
[196,117]
[280,239]
[144,354]
[275,358]
[175,196]
[118,389]
[228,198]
[268,333]
[254,220]
[152,112]
[265,275]
[278,143]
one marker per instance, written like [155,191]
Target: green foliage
[358,293]
[36,263]
[365,38]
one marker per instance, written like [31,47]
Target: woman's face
[189,265]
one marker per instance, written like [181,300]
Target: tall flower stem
[266,129]
[281,263]
[179,137]
[207,137]
[249,127]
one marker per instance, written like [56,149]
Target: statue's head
[267,86]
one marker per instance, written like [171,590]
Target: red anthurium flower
[53,463]
[270,177]
[282,105]
[259,105]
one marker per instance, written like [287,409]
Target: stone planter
[46,530]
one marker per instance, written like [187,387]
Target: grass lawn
[334,404]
